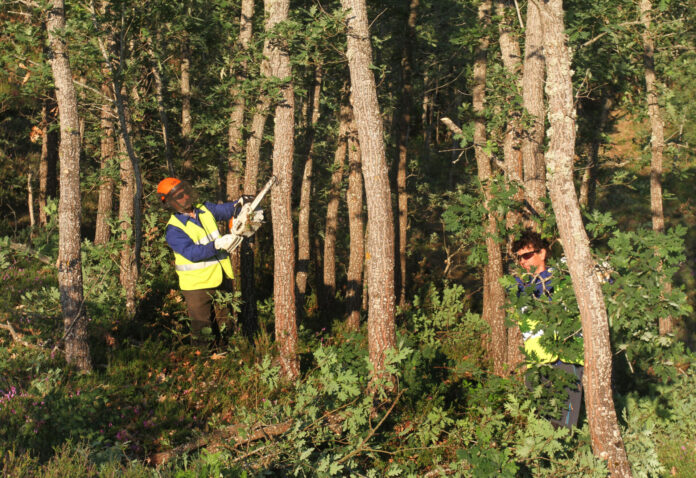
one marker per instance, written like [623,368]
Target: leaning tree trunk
[380,243]
[69,208]
[303,227]
[105,205]
[533,101]
[49,161]
[354,200]
[657,142]
[403,124]
[493,293]
[281,203]
[329,290]
[605,433]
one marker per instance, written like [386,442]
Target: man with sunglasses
[532,252]
[201,257]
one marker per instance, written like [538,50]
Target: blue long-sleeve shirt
[181,243]
[540,282]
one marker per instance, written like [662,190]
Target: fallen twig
[17,337]
[24,248]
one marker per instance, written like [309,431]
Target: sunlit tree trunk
[330,232]
[533,101]
[126,213]
[403,124]
[185,86]
[380,242]
[69,208]
[354,200]
[281,204]
[106,183]
[605,433]
[48,162]
[303,226]
[493,293]
[657,142]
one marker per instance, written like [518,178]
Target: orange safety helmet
[165,187]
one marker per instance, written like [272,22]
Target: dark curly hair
[530,238]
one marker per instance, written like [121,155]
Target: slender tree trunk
[605,434]
[48,162]
[657,142]
[281,204]
[329,291]
[251,173]
[186,122]
[30,200]
[380,243]
[106,183]
[354,200]
[161,108]
[303,227]
[533,101]
[69,208]
[493,293]
[588,183]
[235,140]
[403,124]
[126,214]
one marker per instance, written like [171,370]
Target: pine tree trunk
[303,227]
[605,433]
[403,124]
[161,109]
[281,204]
[380,243]
[69,208]
[102,232]
[533,101]
[657,143]
[493,293]
[49,161]
[330,232]
[354,200]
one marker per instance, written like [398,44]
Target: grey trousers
[571,411]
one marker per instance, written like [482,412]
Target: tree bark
[69,208]
[48,162]
[303,227]
[354,200]
[235,140]
[281,197]
[102,232]
[380,243]
[161,109]
[657,142]
[251,173]
[403,124]
[330,232]
[493,293]
[186,122]
[533,101]
[605,434]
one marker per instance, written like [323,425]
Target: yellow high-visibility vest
[205,274]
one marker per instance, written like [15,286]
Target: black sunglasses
[527,255]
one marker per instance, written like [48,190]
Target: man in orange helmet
[201,257]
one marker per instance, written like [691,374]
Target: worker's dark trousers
[200,309]
[571,411]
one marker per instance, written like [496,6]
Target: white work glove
[224,242]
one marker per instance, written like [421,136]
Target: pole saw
[250,218]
